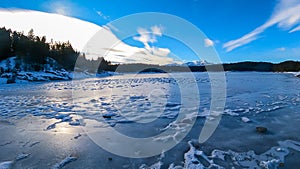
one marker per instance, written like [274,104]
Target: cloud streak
[102,15]
[286,16]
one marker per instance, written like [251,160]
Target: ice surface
[142,99]
[34,143]
[266,99]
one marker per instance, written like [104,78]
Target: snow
[22,156]
[153,166]
[81,75]
[6,165]
[272,158]
[191,63]
[75,123]
[51,72]
[294,73]
[245,119]
[191,158]
[3,80]
[64,162]
[8,63]
[43,76]
[297,74]
[197,63]
[78,74]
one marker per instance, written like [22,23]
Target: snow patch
[51,72]
[271,159]
[294,73]
[245,119]
[64,162]
[6,165]
[3,80]
[22,156]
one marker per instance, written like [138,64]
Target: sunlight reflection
[61,11]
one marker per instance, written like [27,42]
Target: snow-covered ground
[45,124]
[51,72]
[295,73]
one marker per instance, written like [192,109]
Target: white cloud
[156,55]
[117,51]
[286,15]
[148,36]
[53,26]
[79,33]
[208,42]
[145,37]
[157,30]
[148,54]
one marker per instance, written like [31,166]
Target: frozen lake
[51,124]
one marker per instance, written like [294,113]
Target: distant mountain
[197,63]
[174,64]
[192,63]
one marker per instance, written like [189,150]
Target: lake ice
[45,125]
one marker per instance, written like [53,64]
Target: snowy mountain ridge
[197,63]
[191,63]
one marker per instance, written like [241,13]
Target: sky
[237,30]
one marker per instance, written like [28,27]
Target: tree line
[32,52]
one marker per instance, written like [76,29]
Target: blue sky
[240,30]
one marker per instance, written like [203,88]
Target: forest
[32,52]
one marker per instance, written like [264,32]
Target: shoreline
[44,77]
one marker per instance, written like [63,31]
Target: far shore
[28,77]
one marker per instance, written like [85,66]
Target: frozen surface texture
[43,121]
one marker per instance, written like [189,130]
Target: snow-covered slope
[9,72]
[296,74]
